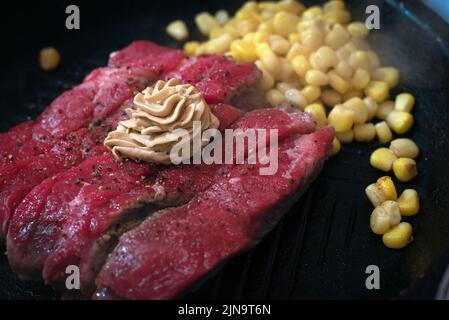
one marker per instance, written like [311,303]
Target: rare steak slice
[175,247]
[222,80]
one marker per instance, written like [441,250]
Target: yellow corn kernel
[360,79]
[378,90]
[371,107]
[278,44]
[387,186]
[190,47]
[267,16]
[267,81]
[336,146]
[359,59]
[300,65]
[337,16]
[243,50]
[247,25]
[216,32]
[405,169]
[295,97]
[358,29]
[312,39]
[341,118]
[337,37]
[360,113]
[324,58]
[291,6]
[206,22]
[338,83]
[384,134]
[318,112]
[267,5]
[343,53]
[312,13]
[177,30]
[404,148]
[250,6]
[385,217]
[294,38]
[364,132]
[222,16]
[268,57]
[374,61]
[311,93]
[345,137]
[260,37]
[382,159]
[384,110]
[297,50]
[330,97]
[400,121]
[388,75]
[274,97]
[284,86]
[344,70]
[219,45]
[409,203]
[285,23]
[404,102]
[333,5]
[375,195]
[49,59]
[398,237]
[316,78]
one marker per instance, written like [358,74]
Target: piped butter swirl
[150,132]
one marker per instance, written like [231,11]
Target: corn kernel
[360,113]
[359,59]
[374,61]
[364,132]
[219,45]
[222,16]
[267,81]
[312,13]
[341,118]
[352,94]
[295,97]
[344,70]
[337,16]
[278,44]
[404,148]
[333,5]
[243,51]
[268,57]
[49,59]
[205,22]
[190,47]
[384,110]
[316,78]
[383,159]
[318,112]
[389,75]
[404,102]
[274,97]
[358,29]
[284,86]
[371,107]
[345,137]
[405,169]
[312,39]
[337,37]
[285,23]
[311,93]
[178,30]
[409,202]
[216,32]
[331,97]
[387,186]
[247,25]
[343,53]
[385,217]
[297,50]
[325,58]
[400,121]
[300,65]
[336,146]
[338,83]
[383,132]
[291,6]
[360,79]
[378,90]
[294,38]
[375,195]
[260,37]
[398,237]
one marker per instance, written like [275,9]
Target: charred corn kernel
[383,159]
[205,22]
[360,79]
[384,110]
[190,47]
[331,97]
[358,29]
[364,132]
[300,65]
[336,146]
[337,37]
[398,237]
[222,16]
[341,118]
[409,202]
[388,75]
[295,97]
[267,81]
[404,102]
[400,121]
[274,97]
[316,78]
[360,113]
[219,45]
[311,93]
[338,83]
[345,137]
[371,107]
[243,51]
[405,169]
[318,112]
[285,23]
[352,94]
[49,59]
[344,70]
[177,30]
[387,186]
[337,16]
[375,195]
[385,217]
[325,58]
[359,59]
[384,134]
[278,44]
[291,6]
[404,148]
[268,57]
[378,90]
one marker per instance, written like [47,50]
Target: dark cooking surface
[323,246]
